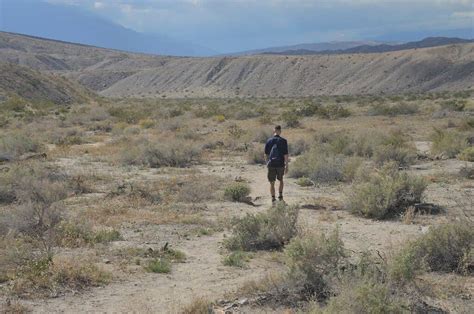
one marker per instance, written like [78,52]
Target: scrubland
[162,205]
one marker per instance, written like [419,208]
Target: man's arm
[286,163]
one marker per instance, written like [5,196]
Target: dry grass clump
[384,193]
[198,306]
[446,248]
[264,231]
[447,143]
[161,154]
[236,259]
[467,154]
[75,234]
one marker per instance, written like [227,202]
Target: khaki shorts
[275,173]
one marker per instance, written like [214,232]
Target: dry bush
[264,231]
[161,154]
[53,277]
[255,157]
[467,154]
[448,143]
[298,147]
[444,248]
[313,260]
[198,189]
[262,135]
[15,144]
[384,193]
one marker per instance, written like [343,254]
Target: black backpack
[275,157]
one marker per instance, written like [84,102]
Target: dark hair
[278,128]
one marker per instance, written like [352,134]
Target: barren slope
[34,85]
[119,74]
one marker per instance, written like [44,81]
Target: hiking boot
[273,199]
[280,198]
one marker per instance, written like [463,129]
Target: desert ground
[163,206]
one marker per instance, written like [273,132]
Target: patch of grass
[385,193]
[237,192]
[448,143]
[291,119]
[159,265]
[445,248]
[264,231]
[236,259]
[401,108]
[15,144]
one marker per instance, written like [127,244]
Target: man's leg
[272,189]
[280,188]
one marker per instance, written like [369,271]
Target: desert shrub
[197,189]
[131,114]
[147,123]
[303,181]
[247,113]
[312,260]
[236,259]
[159,265]
[388,153]
[13,145]
[319,166]
[152,154]
[298,147]
[467,124]
[364,295]
[333,111]
[237,192]
[68,137]
[255,157]
[453,104]
[264,231]
[467,154]
[444,248]
[385,193]
[402,108]
[290,119]
[448,143]
[54,276]
[262,135]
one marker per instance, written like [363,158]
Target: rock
[4,158]
[106,261]
[243,301]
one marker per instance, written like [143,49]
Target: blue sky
[231,25]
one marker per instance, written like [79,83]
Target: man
[276,158]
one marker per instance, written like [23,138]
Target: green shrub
[264,231]
[106,236]
[448,143]
[303,181]
[313,260]
[236,259]
[444,248]
[333,111]
[290,119]
[467,154]
[402,156]
[237,192]
[159,265]
[385,193]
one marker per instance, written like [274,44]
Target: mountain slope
[118,74]
[36,86]
[70,23]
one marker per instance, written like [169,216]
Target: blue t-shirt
[282,146]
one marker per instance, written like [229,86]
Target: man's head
[277,129]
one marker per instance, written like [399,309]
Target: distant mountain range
[111,73]
[71,24]
[366,48]
[315,47]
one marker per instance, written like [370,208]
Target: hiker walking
[276,158]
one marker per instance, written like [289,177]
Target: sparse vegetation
[447,143]
[237,192]
[236,259]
